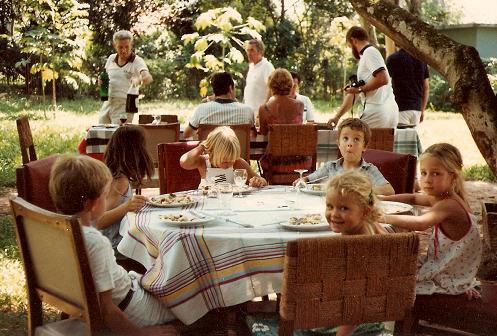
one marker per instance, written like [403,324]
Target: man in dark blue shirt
[410,86]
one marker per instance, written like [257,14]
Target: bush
[440,94]
[479,173]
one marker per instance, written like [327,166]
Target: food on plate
[172,199]
[310,219]
[317,187]
[177,218]
[395,208]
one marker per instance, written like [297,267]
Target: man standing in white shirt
[256,90]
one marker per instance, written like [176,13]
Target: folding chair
[173,178]
[32,182]
[28,151]
[164,118]
[347,280]
[289,141]
[154,135]
[57,271]
[242,133]
[398,169]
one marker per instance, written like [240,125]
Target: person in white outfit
[124,69]
[373,85]
[256,91]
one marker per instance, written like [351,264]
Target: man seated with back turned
[224,109]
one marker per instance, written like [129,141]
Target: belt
[125,302]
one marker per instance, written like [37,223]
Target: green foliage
[479,173]
[491,68]
[436,14]
[440,93]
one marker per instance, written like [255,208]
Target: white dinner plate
[308,189]
[153,201]
[321,226]
[393,208]
[194,220]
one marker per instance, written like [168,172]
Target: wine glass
[240,177]
[301,183]
[225,194]
[156,119]
[123,120]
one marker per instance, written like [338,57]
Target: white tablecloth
[194,270]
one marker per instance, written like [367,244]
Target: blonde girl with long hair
[454,249]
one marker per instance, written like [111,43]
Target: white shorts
[381,116]
[144,309]
[409,117]
[113,110]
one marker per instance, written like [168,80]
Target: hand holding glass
[240,177]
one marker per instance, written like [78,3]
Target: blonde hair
[450,157]
[222,145]
[353,182]
[280,82]
[75,180]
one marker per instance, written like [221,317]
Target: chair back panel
[382,138]
[242,133]
[28,151]
[32,182]
[286,140]
[399,169]
[156,134]
[173,178]
[348,279]
[149,118]
[56,265]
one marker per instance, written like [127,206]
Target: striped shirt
[332,168]
[221,112]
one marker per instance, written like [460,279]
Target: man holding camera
[372,84]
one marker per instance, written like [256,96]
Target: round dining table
[224,258]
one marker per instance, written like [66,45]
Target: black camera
[355,83]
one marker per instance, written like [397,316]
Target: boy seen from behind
[79,185]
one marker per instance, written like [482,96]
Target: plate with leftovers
[307,222]
[172,200]
[396,208]
[315,189]
[184,219]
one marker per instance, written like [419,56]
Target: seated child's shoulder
[93,237]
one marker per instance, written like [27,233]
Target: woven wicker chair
[173,178]
[347,280]
[242,133]
[382,138]
[399,169]
[289,140]
[164,118]
[57,271]
[155,135]
[28,151]
[32,182]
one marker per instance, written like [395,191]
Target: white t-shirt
[120,76]
[216,113]
[107,274]
[256,86]
[370,61]
[308,108]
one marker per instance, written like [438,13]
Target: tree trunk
[459,64]
[371,31]
[414,7]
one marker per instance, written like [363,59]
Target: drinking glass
[240,177]
[301,183]
[225,194]
[123,120]
[156,119]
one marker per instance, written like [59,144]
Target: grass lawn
[60,132]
